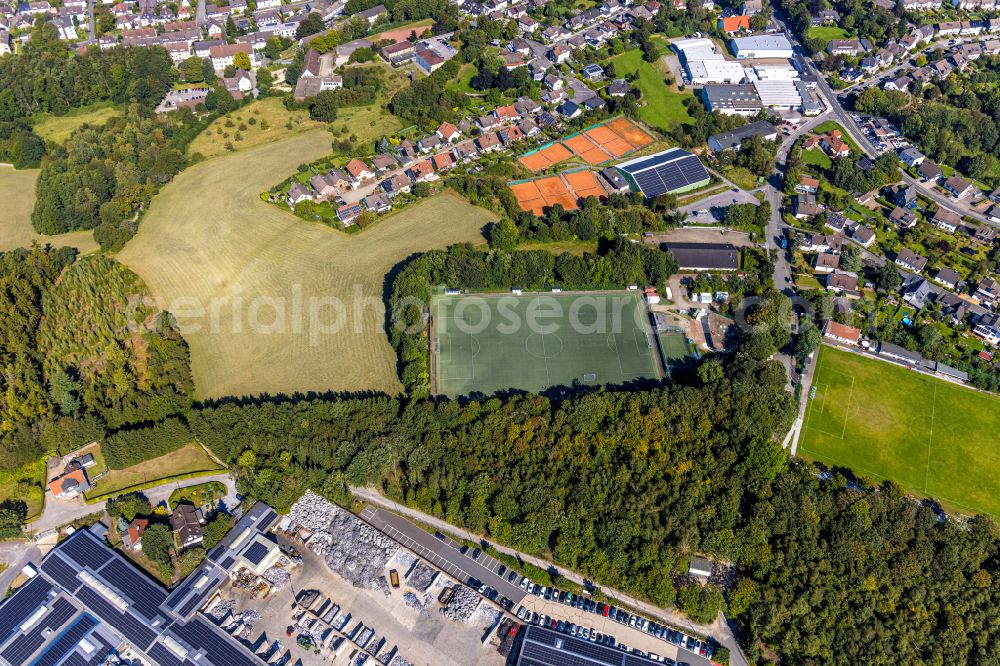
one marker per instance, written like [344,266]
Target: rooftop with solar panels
[671,171]
[544,647]
[86,601]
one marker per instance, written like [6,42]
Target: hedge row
[131,447]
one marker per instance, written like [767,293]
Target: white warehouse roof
[762,46]
[778,93]
[715,71]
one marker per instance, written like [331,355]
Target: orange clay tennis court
[584,184]
[546,157]
[630,132]
[528,197]
[611,142]
[586,149]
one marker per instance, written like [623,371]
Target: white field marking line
[930,438]
[847,410]
[545,360]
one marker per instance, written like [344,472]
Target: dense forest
[104,176]
[82,352]
[47,78]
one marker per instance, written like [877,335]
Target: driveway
[16,554]
[59,512]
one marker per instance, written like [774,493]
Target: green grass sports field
[883,421]
[537,341]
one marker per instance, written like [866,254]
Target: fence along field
[612,345]
[208,238]
[884,421]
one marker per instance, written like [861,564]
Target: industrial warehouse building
[762,46]
[86,601]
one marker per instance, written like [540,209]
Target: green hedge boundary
[151,484]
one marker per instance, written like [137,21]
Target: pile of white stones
[462,605]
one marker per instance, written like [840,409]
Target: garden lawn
[883,421]
[827,32]
[17,192]
[816,157]
[209,241]
[741,177]
[58,128]
[199,494]
[185,460]
[661,106]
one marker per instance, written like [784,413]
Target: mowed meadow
[243,276]
[17,198]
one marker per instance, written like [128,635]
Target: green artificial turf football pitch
[884,421]
[489,343]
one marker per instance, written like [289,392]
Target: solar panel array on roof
[26,645]
[164,657]
[68,641]
[23,604]
[145,595]
[102,649]
[61,572]
[85,551]
[669,171]
[255,553]
[544,647]
[219,649]
[128,625]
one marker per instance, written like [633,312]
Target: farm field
[883,421]
[663,106]
[212,141]
[17,192]
[485,343]
[58,128]
[187,459]
[208,241]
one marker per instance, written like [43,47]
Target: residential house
[826,262]
[329,184]
[988,328]
[807,184]
[918,294]
[429,143]
[845,47]
[72,482]
[863,236]
[987,292]
[465,151]
[985,234]
[911,157]
[358,172]
[910,260]
[995,196]
[132,534]
[396,185]
[240,84]
[841,333]
[348,213]
[568,109]
[377,203]
[842,282]
[593,72]
[948,277]
[929,171]
[420,172]
[904,196]
[186,522]
[448,132]
[734,24]
[298,193]
[834,146]
[384,162]
[374,14]
[959,187]
[954,307]
[942,69]
[443,161]
[806,206]
[618,88]
[837,221]
[947,220]
[903,218]
[488,142]
[222,56]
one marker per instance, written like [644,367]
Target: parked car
[476,553]
[524,583]
[502,570]
[520,612]
[512,576]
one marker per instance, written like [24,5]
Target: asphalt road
[443,553]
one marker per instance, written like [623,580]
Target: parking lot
[444,553]
[622,633]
